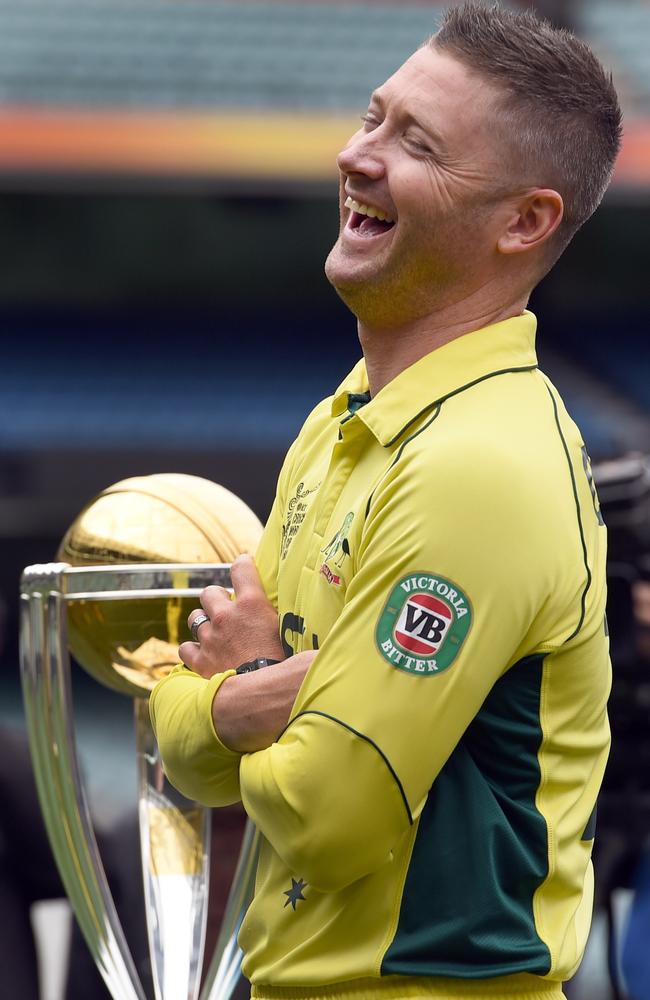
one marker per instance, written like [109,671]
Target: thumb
[246,580]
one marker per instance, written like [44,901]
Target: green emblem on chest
[339,547]
[336,552]
[423,625]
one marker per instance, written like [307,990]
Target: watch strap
[256,664]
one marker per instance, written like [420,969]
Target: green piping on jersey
[437,405]
[454,392]
[400,451]
[583,603]
[366,739]
[481,849]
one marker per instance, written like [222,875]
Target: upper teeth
[374,213]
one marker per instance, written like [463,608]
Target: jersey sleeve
[196,761]
[441,603]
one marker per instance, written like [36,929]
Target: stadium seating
[620,33]
[160,54]
[149,53]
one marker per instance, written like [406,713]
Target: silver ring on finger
[196,625]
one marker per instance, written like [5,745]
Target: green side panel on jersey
[481,849]
[590,829]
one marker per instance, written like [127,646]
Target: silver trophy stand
[174,832]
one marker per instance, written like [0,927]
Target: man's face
[425,158]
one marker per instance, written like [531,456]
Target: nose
[362,155]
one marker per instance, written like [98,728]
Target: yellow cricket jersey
[428,812]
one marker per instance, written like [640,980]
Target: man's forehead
[431,83]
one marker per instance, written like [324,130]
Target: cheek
[443,190]
[426,195]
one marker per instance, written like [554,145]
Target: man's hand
[250,711]
[238,630]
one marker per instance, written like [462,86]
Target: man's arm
[181,705]
[203,726]
[251,710]
[370,730]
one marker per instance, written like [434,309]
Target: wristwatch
[257,664]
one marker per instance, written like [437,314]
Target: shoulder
[502,427]
[498,459]
[456,461]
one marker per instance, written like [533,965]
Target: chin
[352,292]
[335,267]
[361,299]
[346,275]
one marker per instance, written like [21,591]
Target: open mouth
[366,221]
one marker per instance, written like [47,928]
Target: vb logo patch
[424,624]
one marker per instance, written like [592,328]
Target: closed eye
[419,145]
[370,120]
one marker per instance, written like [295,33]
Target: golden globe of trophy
[131,569]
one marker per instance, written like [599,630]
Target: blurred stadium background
[167,199]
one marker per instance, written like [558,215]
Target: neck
[390,350]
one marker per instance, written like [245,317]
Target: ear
[534,220]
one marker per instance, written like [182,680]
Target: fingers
[214,599]
[188,653]
[198,615]
[246,583]
[238,626]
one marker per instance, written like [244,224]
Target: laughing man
[423,763]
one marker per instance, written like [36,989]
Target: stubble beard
[413,279]
[389,293]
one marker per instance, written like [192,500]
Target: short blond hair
[560,110]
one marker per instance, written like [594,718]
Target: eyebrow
[435,137]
